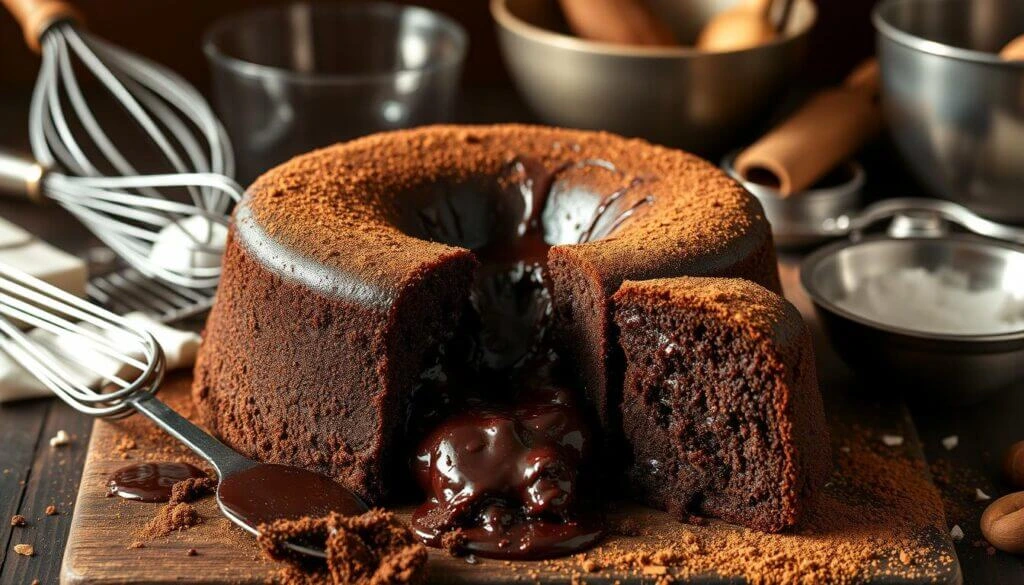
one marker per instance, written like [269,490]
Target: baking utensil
[629,22]
[257,490]
[827,130]
[747,24]
[814,215]
[288,79]
[931,366]
[128,290]
[679,96]
[129,214]
[1014,50]
[955,109]
[123,191]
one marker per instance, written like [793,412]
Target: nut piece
[60,439]
[18,520]
[51,510]
[892,440]
[1013,464]
[24,549]
[980,496]
[1003,523]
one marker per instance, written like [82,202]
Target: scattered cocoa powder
[192,489]
[374,548]
[172,517]
[18,520]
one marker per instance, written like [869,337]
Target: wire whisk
[127,196]
[25,300]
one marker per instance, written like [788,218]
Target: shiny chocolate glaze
[150,482]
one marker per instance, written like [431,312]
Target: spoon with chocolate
[249,493]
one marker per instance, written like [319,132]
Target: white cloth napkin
[16,383]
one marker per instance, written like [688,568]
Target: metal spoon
[250,493]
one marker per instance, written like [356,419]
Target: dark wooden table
[34,475]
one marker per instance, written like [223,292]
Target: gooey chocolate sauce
[267,492]
[505,447]
[150,482]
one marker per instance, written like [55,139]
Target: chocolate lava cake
[721,409]
[365,283]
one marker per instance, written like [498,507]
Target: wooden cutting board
[899,530]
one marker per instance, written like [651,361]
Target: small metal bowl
[954,109]
[812,216]
[679,96]
[951,368]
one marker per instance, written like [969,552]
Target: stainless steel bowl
[810,217]
[929,366]
[672,95]
[955,110]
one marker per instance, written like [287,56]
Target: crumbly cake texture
[374,548]
[320,376]
[721,410]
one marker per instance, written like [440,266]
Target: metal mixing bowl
[672,95]
[930,366]
[955,110]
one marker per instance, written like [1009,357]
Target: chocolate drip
[504,447]
[150,482]
[507,475]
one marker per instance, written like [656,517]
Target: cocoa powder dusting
[374,548]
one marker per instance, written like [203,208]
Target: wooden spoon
[741,27]
[1014,50]
[627,22]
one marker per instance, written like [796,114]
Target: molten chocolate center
[504,448]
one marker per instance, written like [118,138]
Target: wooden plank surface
[104,528]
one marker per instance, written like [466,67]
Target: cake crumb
[51,510]
[892,440]
[60,439]
[191,552]
[591,566]
[950,442]
[25,550]
[374,548]
[136,544]
[454,542]
[654,570]
[905,557]
[980,496]
[18,520]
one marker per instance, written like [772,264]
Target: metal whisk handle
[35,16]
[20,176]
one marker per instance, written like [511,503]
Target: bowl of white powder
[941,318]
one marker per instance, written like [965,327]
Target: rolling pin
[1014,50]
[627,22]
[740,27]
[826,131]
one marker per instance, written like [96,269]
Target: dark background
[169,31]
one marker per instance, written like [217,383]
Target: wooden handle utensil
[35,16]
[628,22]
[1014,50]
[827,130]
[746,25]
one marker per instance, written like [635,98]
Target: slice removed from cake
[721,409]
